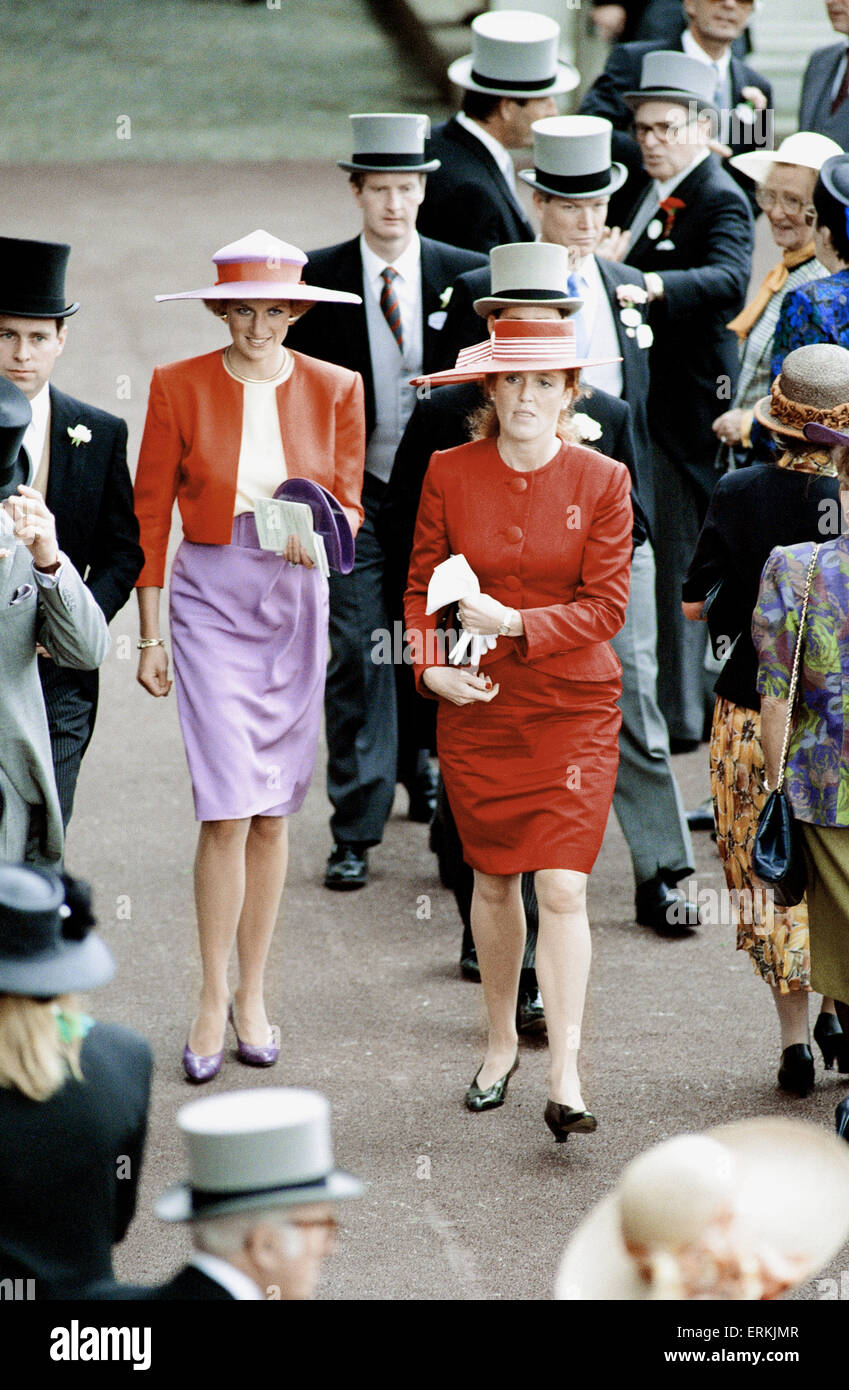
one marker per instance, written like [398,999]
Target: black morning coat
[468,202]
[705,263]
[339,332]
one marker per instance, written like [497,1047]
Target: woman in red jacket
[249,630]
[527,741]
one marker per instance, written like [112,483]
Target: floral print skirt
[776,938]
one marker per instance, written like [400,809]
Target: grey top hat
[572,158]
[514,54]
[529,272]
[264,1147]
[812,388]
[677,77]
[46,946]
[389,143]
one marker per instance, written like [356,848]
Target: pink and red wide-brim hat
[517,345]
[261,266]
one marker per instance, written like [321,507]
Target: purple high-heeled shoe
[254,1056]
[198,1068]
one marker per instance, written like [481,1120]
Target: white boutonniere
[654,229]
[744,111]
[445,297]
[79,434]
[586,428]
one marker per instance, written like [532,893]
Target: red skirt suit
[530,775]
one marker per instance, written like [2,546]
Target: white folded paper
[277,519]
[452,580]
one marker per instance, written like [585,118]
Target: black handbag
[778,858]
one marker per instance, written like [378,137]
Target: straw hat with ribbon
[812,388]
[262,267]
[517,345]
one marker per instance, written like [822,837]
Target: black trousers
[71,712]
[359,700]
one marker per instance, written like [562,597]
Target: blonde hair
[483,421]
[840,459]
[33,1057]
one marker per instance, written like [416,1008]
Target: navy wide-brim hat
[328,519]
[32,279]
[46,945]
[835,177]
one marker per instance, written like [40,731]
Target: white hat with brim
[674,77]
[254,1149]
[389,143]
[572,158]
[791,1184]
[529,273]
[517,345]
[260,266]
[806,148]
[514,55]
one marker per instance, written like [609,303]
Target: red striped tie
[390,306]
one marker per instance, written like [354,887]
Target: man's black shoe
[684,745]
[701,817]
[347,868]
[665,909]
[469,968]
[530,1014]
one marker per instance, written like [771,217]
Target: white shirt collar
[228,1276]
[664,189]
[408,264]
[495,147]
[36,430]
[694,50]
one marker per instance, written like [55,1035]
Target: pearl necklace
[253,380]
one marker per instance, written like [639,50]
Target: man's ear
[61,334]
[825,236]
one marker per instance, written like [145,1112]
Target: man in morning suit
[76,456]
[261,1198]
[509,81]
[742,98]
[824,106]
[391,337]
[692,236]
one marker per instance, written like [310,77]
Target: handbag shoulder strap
[794,678]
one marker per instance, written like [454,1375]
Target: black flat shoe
[701,817]
[841,1119]
[476,1099]
[562,1120]
[346,869]
[530,1014]
[469,968]
[796,1073]
[832,1043]
[665,909]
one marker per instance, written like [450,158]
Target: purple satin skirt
[249,634]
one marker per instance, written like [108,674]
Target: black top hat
[15,415]
[32,278]
[46,945]
[835,176]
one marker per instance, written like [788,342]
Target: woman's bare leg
[564,952]
[219,896]
[498,927]
[266,861]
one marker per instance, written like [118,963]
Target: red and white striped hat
[260,266]
[517,345]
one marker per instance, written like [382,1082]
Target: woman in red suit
[527,742]
[249,630]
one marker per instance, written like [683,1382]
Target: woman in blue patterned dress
[817,772]
[819,312]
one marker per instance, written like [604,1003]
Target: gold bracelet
[149,642]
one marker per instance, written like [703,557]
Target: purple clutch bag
[328,519]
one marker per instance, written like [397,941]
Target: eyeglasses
[766,200]
[664,131]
